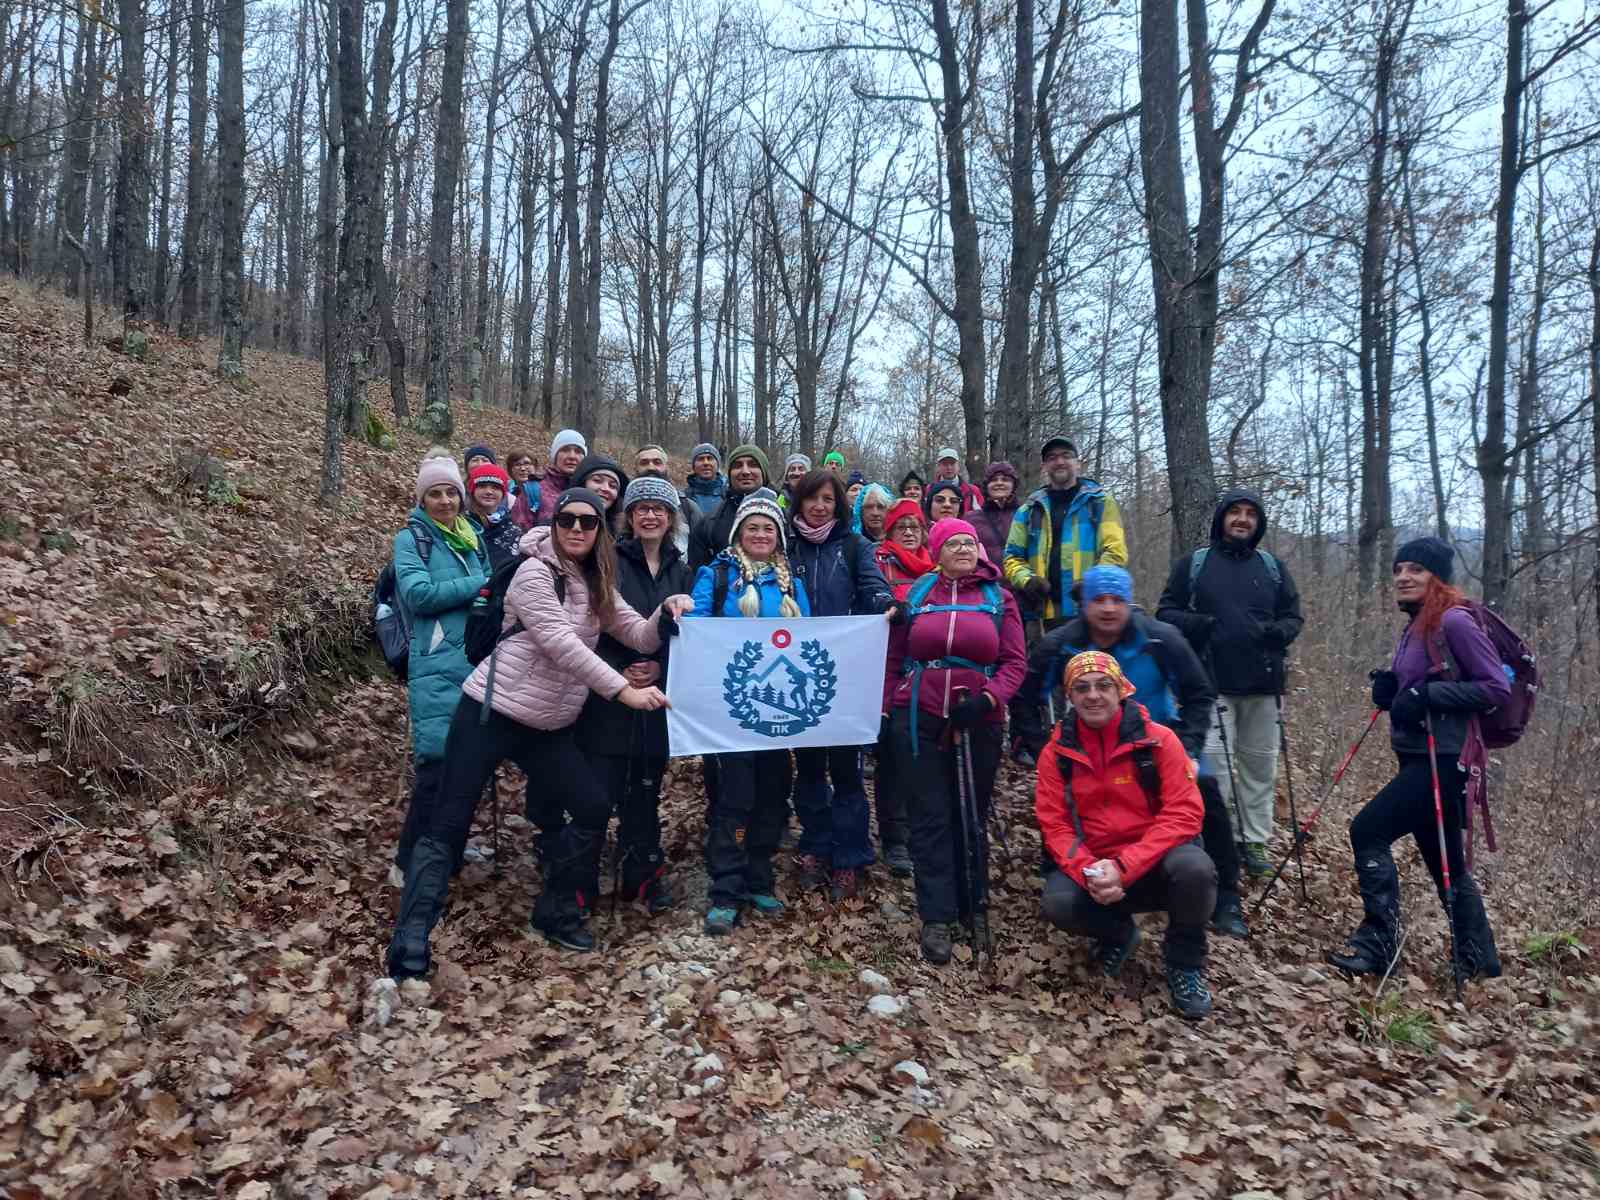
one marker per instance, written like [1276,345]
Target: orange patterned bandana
[1097,662]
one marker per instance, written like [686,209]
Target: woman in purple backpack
[1422,700]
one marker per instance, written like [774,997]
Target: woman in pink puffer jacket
[520,704]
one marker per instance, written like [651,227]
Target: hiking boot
[569,936]
[1375,944]
[1024,757]
[657,899]
[845,884]
[811,873]
[898,859]
[1112,953]
[1475,953]
[937,942]
[1228,917]
[763,904]
[1255,860]
[1190,996]
[720,921]
[422,902]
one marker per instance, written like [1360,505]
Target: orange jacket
[1105,813]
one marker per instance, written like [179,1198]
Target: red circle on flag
[780,638]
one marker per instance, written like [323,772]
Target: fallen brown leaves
[186,1002]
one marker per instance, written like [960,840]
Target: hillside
[201,777]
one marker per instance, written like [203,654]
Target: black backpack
[393,628]
[488,611]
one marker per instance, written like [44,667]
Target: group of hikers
[1155,774]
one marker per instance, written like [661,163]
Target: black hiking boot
[570,935]
[897,858]
[1374,946]
[1476,956]
[1228,917]
[427,885]
[937,943]
[1113,953]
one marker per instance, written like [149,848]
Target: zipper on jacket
[949,646]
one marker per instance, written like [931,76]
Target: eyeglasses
[959,543]
[587,522]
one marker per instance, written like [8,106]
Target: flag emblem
[773,694]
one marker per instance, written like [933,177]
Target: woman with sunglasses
[521,703]
[751,578]
[955,659]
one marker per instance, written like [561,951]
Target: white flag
[748,683]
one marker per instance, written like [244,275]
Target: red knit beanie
[487,473]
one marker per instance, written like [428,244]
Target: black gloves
[899,614]
[1037,588]
[667,624]
[1385,686]
[964,714]
[1410,707]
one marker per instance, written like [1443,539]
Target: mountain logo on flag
[775,696]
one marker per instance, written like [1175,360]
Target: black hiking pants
[1217,834]
[1404,807]
[429,772]
[633,787]
[888,794]
[745,823]
[555,767]
[939,849]
[1183,885]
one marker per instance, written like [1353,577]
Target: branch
[1241,74]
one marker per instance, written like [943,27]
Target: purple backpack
[1499,727]
[1503,726]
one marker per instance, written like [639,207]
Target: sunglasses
[587,522]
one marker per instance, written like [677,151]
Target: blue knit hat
[1108,581]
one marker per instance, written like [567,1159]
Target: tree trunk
[1180,354]
[230,184]
[79,163]
[169,112]
[446,174]
[195,181]
[552,307]
[1594,389]
[295,191]
[1374,304]
[972,352]
[480,332]
[130,236]
[1494,462]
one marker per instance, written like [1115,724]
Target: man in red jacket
[1120,814]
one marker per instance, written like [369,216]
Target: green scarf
[460,536]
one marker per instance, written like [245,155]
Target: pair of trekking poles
[974,845]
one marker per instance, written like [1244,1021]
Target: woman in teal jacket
[439,565]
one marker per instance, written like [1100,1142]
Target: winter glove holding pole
[1410,707]
[964,714]
[1037,588]
[1385,687]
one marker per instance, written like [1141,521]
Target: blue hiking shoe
[763,905]
[720,921]
[1190,995]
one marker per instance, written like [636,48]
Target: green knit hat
[756,453]
[833,456]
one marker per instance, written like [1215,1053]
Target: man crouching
[1120,815]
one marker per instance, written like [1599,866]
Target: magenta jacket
[966,635]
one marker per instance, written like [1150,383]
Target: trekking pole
[1300,833]
[982,848]
[977,858]
[1294,813]
[1233,780]
[1444,856]
[951,739]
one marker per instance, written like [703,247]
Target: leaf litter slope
[185,973]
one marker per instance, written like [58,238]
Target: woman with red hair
[1421,697]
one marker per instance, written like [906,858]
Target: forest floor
[201,780]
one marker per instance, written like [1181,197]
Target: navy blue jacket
[841,576]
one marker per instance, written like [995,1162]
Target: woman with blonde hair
[751,578]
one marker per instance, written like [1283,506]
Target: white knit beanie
[760,503]
[568,437]
[435,471]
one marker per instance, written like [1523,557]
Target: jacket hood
[1227,500]
[540,543]
[714,486]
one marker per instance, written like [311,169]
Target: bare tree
[446,173]
[230,185]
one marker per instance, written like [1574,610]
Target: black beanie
[1430,552]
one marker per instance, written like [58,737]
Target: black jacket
[608,727]
[1239,620]
[841,575]
[710,537]
[500,539]
[1177,692]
